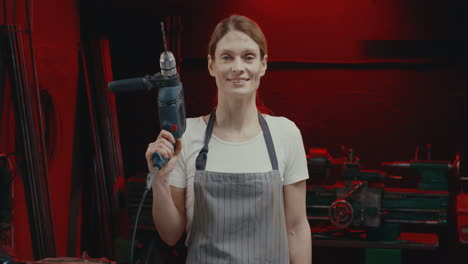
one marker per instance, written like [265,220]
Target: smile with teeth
[238,81]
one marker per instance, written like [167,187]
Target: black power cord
[149,182]
[132,248]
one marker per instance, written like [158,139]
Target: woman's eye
[225,57]
[250,57]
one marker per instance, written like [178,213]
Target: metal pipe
[428,222]
[34,173]
[321,218]
[318,206]
[403,195]
[412,210]
[101,188]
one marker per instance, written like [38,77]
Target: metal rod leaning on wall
[99,54]
[101,191]
[30,147]
[100,74]
[37,151]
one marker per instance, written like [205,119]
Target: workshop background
[379,76]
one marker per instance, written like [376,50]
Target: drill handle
[159,160]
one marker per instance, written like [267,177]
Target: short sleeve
[296,163]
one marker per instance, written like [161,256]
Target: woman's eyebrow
[250,51]
[225,51]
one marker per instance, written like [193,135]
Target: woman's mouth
[238,81]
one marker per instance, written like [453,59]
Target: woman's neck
[236,120]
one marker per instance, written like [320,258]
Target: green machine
[351,207]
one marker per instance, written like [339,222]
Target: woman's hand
[163,145]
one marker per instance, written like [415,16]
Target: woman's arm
[168,201]
[297,225]
[169,211]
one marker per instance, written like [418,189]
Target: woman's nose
[237,65]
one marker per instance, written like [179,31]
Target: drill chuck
[168,64]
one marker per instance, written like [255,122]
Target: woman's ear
[210,65]
[264,65]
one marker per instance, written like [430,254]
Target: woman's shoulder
[193,120]
[194,133]
[284,132]
[194,124]
[281,123]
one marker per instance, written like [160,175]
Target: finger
[166,153]
[164,144]
[178,146]
[167,135]
[167,144]
[151,150]
[159,147]
[149,153]
[151,147]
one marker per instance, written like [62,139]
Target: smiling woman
[236,181]
[252,34]
[237,65]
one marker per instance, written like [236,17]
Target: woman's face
[237,65]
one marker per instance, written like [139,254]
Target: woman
[237,182]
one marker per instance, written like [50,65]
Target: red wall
[324,30]
[380,76]
[56,35]
[384,113]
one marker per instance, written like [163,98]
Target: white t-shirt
[238,157]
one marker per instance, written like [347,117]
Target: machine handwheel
[341,213]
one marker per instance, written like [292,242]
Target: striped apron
[238,217]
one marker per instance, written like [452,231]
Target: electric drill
[171,107]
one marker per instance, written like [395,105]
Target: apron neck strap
[269,142]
